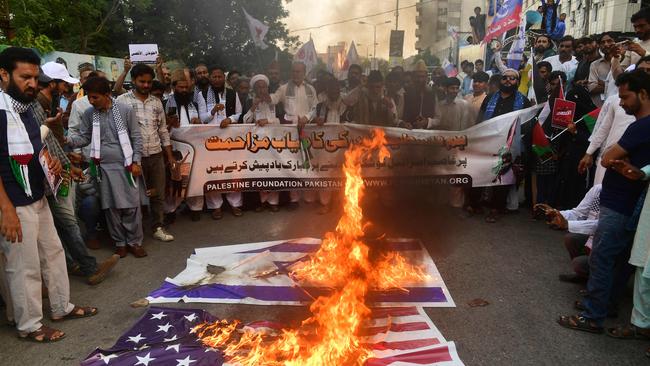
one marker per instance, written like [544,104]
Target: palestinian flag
[541,144]
[590,119]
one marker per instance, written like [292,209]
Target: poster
[72,61]
[563,113]
[111,66]
[54,181]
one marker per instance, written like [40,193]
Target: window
[442,11]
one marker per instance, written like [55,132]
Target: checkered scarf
[122,135]
[19,146]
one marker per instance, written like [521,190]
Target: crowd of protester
[104,138]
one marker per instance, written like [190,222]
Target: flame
[330,335]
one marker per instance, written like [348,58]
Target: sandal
[577,322]
[629,331]
[44,335]
[86,311]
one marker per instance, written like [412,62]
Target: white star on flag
[158,316]
[174,347]
[185,362]
[144,360]
[170,339]
[192,317]
[136,339]
[107,358]
[258,30]
[164,328]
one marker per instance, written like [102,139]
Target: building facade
[434,18]
[585,17]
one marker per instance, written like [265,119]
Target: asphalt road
[512,264]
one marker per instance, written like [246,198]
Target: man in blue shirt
[560,28]
[615,232]
[29,241]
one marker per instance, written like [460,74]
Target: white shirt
[334,111]
[205,108]
[300,105]
[583,219]
[263,111]
[610,125]
[569,67]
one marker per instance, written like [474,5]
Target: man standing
[30,246]
[112,131]
[150,115]
[420,101]
[466,86]
[506,100]
[455,113]
[220,105]
[618,199]
[565,61]
[395,91]
[543,48]
[479,86]
[354,78]
[560,28]
[589,54]
[373,108]
[600,69]
[299,100]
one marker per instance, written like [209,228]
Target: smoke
[306,13]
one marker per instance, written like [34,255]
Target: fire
[330,335]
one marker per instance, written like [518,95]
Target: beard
[183,99]
[632,109]
[26,97]
[202,82]
[509,89]
[540,49]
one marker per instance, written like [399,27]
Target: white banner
[252,158]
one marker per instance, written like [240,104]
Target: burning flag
[351,59]
[163,336]
[258,30]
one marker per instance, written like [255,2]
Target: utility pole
[397,15]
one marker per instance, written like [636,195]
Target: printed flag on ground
[541,144]
[399,336]
[257,273]
[258,30]
[590,119]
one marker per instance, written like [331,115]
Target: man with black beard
[543,48]
[354,78]
[181,110]
[506,100]
[220,105]
[420,102]
[30,245]
[202,88]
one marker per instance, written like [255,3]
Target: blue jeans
[608,268]
[67,226]
[89,213]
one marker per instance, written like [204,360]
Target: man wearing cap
[262,113]
[30,246]
[420,101]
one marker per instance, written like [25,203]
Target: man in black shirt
[618,199]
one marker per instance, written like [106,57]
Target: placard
[563,112]
[145,53]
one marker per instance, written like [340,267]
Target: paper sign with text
[563,112]
[146,53]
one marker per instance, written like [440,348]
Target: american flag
[397,336]
[243,282]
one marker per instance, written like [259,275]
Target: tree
[210,31]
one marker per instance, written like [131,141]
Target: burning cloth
[258,273]
[163,336]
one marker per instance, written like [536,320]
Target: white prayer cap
[58,71]
[511,71]
[259,77]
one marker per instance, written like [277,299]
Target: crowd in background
[110,143]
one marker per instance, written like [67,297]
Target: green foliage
[25,38]
[210,31]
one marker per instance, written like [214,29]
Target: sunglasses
[509,78]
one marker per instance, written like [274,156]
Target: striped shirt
[150,115]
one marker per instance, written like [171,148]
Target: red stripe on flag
[405,327]
[419,358]
[393,312]
[402,345]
